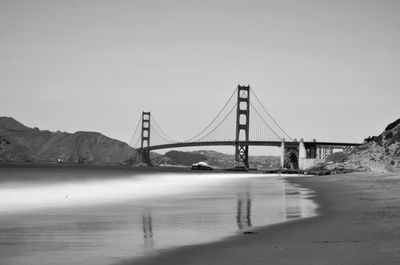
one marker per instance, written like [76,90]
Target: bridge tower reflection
[147,224]
[292,202]
[243,214]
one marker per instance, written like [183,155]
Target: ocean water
[79,219]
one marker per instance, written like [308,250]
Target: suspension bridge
[232,127]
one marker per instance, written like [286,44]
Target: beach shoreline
[357,223]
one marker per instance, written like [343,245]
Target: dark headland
[20,143]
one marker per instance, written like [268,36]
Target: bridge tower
[242,125]
[145,138]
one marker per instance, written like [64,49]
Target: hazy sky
[325,69]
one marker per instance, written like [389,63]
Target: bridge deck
[251,143]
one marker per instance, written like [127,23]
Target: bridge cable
[172,140]
[254,108]
[219,113]
[137,127]
[219,123]
[259,101]
[162,137]
[137,142]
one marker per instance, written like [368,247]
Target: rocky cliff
[21,143]
[378,154]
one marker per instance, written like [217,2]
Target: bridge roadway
[251,143]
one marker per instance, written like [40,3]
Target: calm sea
[48,216]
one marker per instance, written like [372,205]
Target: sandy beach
[358,223]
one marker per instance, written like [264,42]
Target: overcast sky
[328,70]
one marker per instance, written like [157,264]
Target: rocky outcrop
[21,143]
[379,153]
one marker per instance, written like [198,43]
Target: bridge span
[294,154]
[334,145]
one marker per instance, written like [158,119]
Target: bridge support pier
[311,154]
[242,125]
[145,138]
[291,155]
[302,154]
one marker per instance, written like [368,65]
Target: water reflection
[147,225]
[243,213]
[292,202]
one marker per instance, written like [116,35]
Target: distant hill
[184,158]
[213,158]
[227,160]
[10,123]
[21,143]
[379,153]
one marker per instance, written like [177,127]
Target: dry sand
[359,223]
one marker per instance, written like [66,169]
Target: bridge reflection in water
[292,206]
[243,215]
[235,205]
[147,224]
[290,203]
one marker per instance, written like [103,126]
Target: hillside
[378,154]
[213,158]
[23,144]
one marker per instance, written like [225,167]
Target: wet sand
[359,223]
